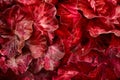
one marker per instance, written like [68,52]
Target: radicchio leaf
[23,31]
[37,44]
[28,2]
[19,64]
[54,54]
[45,17]
[94,8]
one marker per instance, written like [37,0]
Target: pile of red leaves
[59,39]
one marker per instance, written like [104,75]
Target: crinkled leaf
[19,64]
[54,54]
[37,44]
[45,17]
